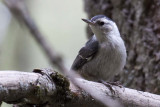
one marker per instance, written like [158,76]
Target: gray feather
[86,54]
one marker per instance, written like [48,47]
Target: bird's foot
[117,83]
[107,84]
[110,84]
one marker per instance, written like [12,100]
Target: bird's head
[102,25]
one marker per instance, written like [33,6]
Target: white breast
[110,59]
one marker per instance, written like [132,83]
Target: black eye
[101,23]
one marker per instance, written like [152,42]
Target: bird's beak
[88,21]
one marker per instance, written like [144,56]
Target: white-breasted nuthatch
[104,54]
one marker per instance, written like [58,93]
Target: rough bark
[139,24]
[47,88]
[43,88]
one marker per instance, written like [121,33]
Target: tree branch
[51,88]
[20,10]
[47,87]
[18,87]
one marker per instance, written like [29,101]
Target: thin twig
[19,9]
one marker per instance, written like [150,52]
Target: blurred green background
[60,22]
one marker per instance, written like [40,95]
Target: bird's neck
[104,37]
[110,38]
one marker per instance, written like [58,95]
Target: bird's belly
[102,67]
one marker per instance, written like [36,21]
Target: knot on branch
[63,93]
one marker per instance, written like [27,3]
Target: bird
[104,54]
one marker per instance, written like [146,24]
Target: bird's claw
[117,83]
[110,84]
[107,84]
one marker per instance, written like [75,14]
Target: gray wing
[86,54]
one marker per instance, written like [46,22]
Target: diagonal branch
[50,88]
[19,9]
[47,87]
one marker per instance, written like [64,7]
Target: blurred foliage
[59,21]
[61,25]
